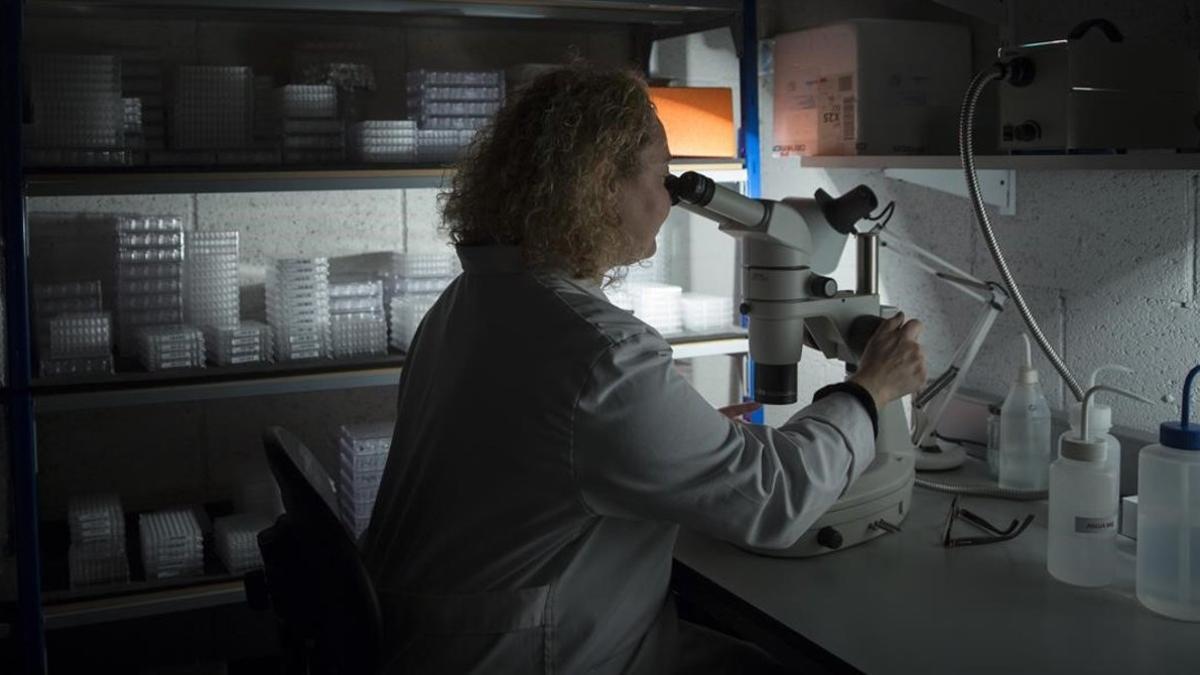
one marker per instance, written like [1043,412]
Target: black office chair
[313,575]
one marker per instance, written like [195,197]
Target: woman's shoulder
[597,316]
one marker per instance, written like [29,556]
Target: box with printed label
[870,87]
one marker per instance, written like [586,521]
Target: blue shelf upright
[748,140]
[18,400]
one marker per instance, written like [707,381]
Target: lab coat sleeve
[646,445]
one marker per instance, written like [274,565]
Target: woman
[546,451]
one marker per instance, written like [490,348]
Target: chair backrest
[318,585]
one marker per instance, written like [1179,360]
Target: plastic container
[1168,550]
[1099,422]
[1025,431]
[1084,502]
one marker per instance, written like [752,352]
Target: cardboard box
[698,120]
[870,87]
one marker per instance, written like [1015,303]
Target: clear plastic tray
[424,109]
[485,78]
[430,92]
[425,265]
[97,365]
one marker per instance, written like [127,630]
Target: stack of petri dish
[619,297]
[384,141]
[298,307]
[450,106]
[149,276]
[74,337]
[659,305]
[166,347]
[77,109]
[362,454]
[311,130]
[358,324]
[97,551]
[172,544]
[212,108]
[706,313]
[248,342]
[235,539]
[211,299]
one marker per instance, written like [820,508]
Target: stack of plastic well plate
[384,141]
[442,145]
[149,276]
[454,100]
[362,454]
[172,544]
[73,336]
[311,130]
[79,334]
[142,79]
[135,138]
[235,539]
[419,273]
[266,109]
[212,107]
[706,313]
[76,101]
[298,307]
[358,324]
[248,342]
[620,298]
[658,305]
[166,347]
[97,551]
[407,313]
[211,279]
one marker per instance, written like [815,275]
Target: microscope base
[942,458]
[875,504]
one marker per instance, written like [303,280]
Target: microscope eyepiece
[692,187]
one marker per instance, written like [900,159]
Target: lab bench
[903,603]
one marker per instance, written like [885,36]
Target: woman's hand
[892,364]
[737,410]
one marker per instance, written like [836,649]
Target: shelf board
[201,384]
[155,180]
[670,14]
[1132,162]
[140,600]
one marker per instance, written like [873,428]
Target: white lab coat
[545,454]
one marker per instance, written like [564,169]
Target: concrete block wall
[1107,260]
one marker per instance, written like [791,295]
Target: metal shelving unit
[130,389]
[188,180]
[645,21]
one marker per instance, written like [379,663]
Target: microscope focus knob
[829,537]
[744,308]
[822,287]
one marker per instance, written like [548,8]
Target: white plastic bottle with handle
[1025,431]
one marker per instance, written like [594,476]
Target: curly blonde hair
[544,176]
